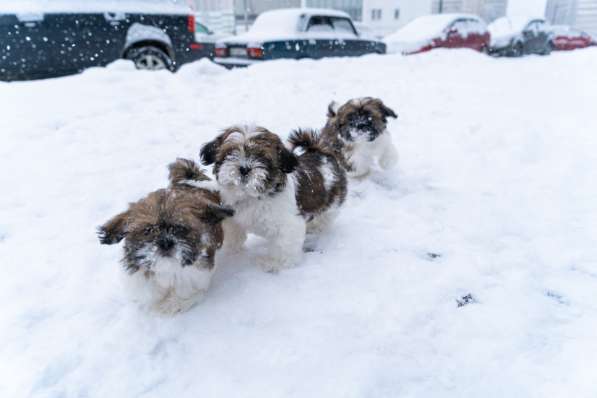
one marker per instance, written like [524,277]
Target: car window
[199,28]
[343,25]
[459,26]
[320,24]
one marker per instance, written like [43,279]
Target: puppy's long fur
[171,237]
[252,168]
[321,181]
[357,134]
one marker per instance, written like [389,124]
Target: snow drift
[494,197]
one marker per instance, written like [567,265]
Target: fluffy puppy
[252,168]
[357,134]
[320,180]
[171,237]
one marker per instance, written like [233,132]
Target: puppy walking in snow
[357,134]
[171,237]
[273,193]
[321,181]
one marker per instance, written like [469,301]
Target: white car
[296,33]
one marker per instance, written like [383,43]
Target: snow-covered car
[517,36]
[296,33]
[439,31]
[566,38]
[41,38]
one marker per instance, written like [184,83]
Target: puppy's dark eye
[147,230]
[179,230]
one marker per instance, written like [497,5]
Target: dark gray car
[520,36]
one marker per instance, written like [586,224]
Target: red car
[440,31]
[566,38]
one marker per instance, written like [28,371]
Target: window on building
[376,14]
[397,13]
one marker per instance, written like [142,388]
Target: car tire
[518,50]
[150,58]
[548,49]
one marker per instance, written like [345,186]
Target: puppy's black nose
[244,170]
[165,243]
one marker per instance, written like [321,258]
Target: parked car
[52,38]
[296,34]
[517,36]
[566,38]
[439,31]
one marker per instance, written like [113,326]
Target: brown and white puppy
[320,180]
[357,133]
[171,237]
[252,167]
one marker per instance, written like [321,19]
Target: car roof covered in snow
[506,26]
[22,7]
[426,27]
[283,23]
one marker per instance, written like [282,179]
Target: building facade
[489,10]
[581,14]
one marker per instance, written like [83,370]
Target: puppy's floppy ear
[387,112]
[214,214]
[208,151]
[333,109]
[114,230]
[288,160]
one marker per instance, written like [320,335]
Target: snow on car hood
[420,32]
[73,6]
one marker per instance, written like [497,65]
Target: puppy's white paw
[274,264]
[172,305]
[388,162]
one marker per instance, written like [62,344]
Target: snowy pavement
[495,196]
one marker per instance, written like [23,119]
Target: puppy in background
[357,134]
[321,181]
[171,237]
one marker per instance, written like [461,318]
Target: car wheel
[518,50]
[150,58]
[548,48]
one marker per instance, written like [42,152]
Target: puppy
[321,181]
[252,168]
[357,134]
[171,237]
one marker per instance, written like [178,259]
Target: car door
[475,35]
[454,37]
[532,40]
[320,36]
[346,42]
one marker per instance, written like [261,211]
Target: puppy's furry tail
[184,171]
[307,140]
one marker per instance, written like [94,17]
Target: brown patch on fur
[321,181]
[367,114]
[181,217]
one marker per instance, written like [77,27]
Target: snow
[494,197]
[53,6]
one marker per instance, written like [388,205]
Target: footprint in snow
[466,300]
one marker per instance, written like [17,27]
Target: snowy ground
[497,175]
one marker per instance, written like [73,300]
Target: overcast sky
[526,7]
